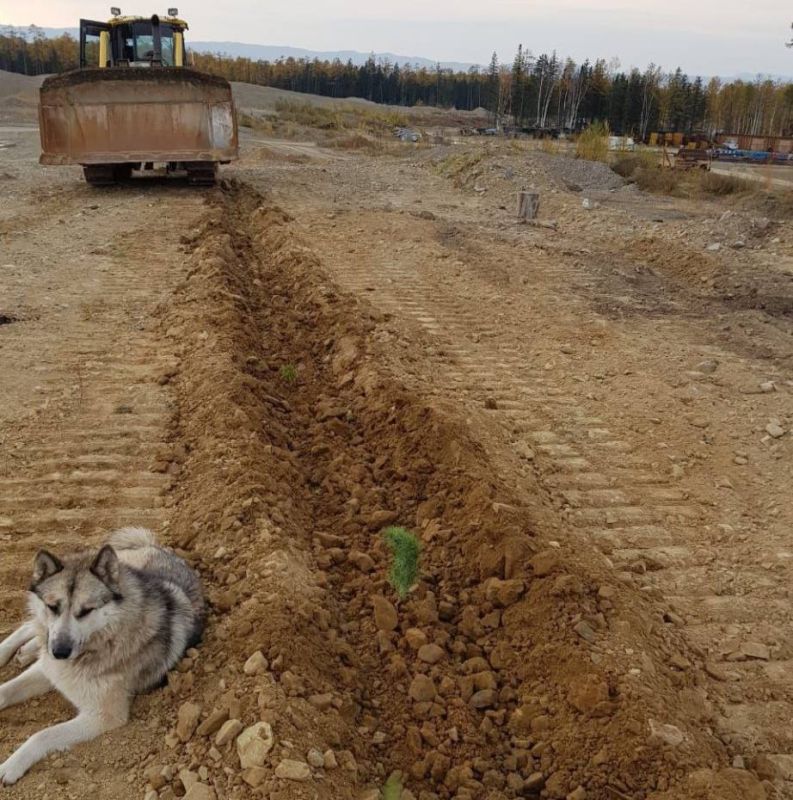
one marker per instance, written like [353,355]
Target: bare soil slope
[18,97]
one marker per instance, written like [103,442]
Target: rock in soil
[253,745]
[228,731]
[291,770]
[256,664]
[187,720]
[422,689]
[213,722]
[385,615]
[662,733]
[431,653]
[200,791]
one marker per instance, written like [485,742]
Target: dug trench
[517,667]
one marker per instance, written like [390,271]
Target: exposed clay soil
[580,424]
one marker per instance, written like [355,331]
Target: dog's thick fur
[103,627]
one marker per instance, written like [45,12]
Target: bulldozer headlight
[116,12]
[173,12]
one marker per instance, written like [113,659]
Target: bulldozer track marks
[83,459]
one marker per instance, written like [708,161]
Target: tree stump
[528,205]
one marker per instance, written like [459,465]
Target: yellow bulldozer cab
[133,41]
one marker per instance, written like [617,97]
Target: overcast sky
[707,37]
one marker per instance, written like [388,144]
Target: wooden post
[528,205]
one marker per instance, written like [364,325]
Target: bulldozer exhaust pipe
[157,39]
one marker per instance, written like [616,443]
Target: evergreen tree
[493,88]
[518,87]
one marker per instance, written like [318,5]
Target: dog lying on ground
[104,626]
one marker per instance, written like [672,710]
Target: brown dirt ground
[573,421]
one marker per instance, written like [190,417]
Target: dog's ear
[106,567]
[45,565]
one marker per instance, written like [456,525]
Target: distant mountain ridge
[272,52]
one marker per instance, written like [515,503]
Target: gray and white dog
[104,626]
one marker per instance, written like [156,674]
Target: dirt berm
[511,670]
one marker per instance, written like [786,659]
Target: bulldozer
[134,105]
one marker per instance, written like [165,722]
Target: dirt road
[589,427]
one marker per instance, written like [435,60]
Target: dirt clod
[422,689]
[386,617]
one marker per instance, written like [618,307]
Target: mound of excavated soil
[508,672]
[251,96]
[255,98]
[12,83]
[19,96]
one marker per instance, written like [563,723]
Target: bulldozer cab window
[139,44]
[90,33]
[92,50]
[166,43]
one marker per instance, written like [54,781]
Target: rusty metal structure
[134,105]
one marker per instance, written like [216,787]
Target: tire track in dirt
[610,491]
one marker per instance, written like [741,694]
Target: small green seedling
[405,548]
[288,373]
[392,789]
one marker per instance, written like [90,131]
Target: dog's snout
[61,649]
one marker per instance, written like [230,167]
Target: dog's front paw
[11,771]
[24,658]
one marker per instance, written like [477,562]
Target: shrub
[405,551]
[593,143]
[662,181]
[288,373]
[713,183]
[626,166]
[312,116]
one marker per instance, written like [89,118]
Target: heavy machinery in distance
[133,104]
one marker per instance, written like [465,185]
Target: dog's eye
[84,612]
[54,607]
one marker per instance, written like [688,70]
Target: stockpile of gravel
[588,175]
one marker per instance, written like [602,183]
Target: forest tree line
[543,91]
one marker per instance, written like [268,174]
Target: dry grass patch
[360,143]
[593,143]
[645,170]
[458,165]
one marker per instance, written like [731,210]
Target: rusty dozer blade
[123,115]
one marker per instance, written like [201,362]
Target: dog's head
[75,598]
